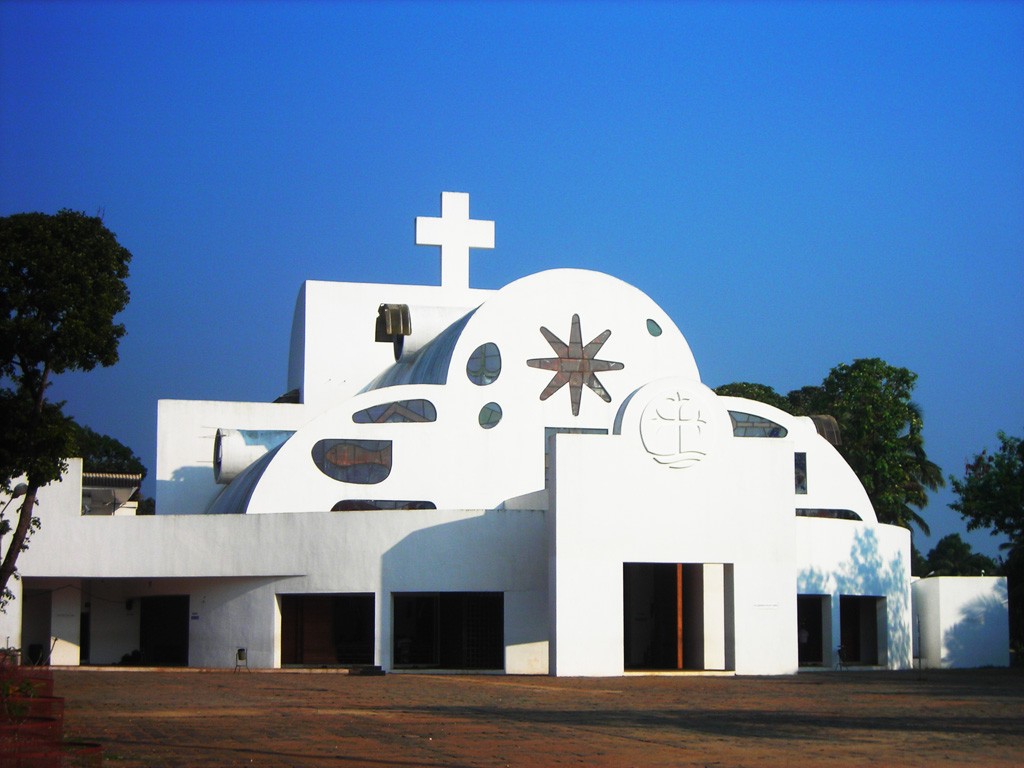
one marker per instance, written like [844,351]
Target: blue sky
[797,184]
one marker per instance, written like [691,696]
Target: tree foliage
[102,453]
[759,392]
[61,286]
[882,437]
[881,428]
[952,556]
[991,492]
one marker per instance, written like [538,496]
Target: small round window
[653,328]
[490,415]
[484,364]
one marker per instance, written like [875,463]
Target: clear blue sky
[797,184]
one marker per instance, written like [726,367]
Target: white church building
[531,480]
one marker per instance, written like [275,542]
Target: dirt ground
[281,718]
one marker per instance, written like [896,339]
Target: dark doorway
[811,623]
[677,616]
[327,629]
[37,605]
[653,627]
[163,631]
[858,628]
[84,632]
[449,630]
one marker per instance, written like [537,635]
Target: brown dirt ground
[283,718]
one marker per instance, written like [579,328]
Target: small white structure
[531,480]
[961,621]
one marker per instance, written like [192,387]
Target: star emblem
[575,365]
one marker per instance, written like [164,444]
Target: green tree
[103,453]
[881,430]
[952,556]
[882,436]
[759,392]
[991,492]
[61,286]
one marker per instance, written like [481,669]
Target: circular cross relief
[672,429]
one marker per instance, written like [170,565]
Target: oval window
[490,415]
[653,328]
[484,364]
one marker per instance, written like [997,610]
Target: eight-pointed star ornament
[575,365]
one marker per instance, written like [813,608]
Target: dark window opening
[449,630]
[800,472]
[327,630]
[357,505]
[829,514]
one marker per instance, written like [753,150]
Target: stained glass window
[484,364]
[749,425]
[490,415]
[365,462]
[398,411]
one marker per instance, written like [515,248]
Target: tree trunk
[17,542]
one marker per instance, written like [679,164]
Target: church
[530,480]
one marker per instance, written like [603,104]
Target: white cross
[456,233]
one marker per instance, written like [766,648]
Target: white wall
[844,557]
[615,504]
[963,621]
[234,566]
[185,436]
[333,353]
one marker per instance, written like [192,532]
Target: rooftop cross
[456,233]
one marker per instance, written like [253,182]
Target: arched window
[749,425]
[398,411]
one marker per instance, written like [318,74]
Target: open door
[678,616]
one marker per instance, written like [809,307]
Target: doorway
[327,629]
[814,627]
[163,630]
[449,630]
[859,634]
[678,616]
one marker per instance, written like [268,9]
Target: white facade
[531,480]
[961,621]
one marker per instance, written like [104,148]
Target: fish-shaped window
[364,462]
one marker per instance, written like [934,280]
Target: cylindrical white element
[233,451]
